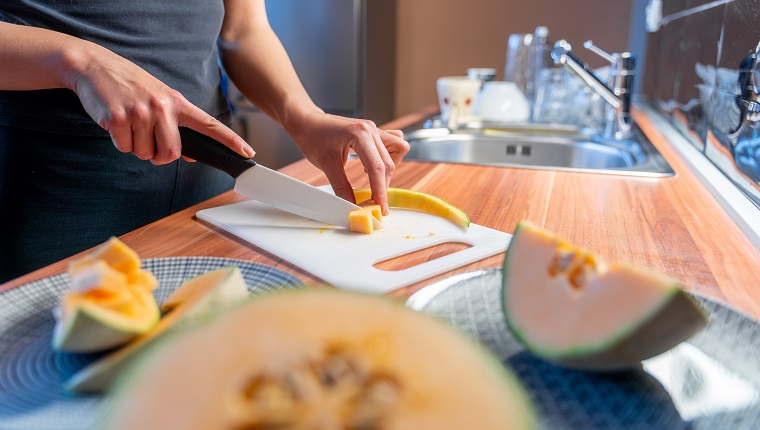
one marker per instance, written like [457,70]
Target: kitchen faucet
[617,93]
[749,86]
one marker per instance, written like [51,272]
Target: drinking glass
[553,97]
[517,65]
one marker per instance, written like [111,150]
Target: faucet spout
[562,55]
[618,120]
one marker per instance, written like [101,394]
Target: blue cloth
[61,194]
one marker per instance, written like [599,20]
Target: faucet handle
[598,51]
[623,62]
[749,83]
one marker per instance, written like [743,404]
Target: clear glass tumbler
[554,97]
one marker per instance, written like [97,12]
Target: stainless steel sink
[563,149]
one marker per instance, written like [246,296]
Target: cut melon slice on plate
[415,200]
[109,302]
[87,326]
[566,306]
[193,299]
[319,359]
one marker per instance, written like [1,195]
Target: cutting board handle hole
[420,256]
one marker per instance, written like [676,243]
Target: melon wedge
[193,299]
[86,326]
[109,301]
[415,200]
[319,359]
[566,306]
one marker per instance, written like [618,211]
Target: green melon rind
[98,376]
[93,329]
[457,213]
[650,338]
[620,351]
[122,387]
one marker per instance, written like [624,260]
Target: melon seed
[577,265]
[362,397]
[338,369]
[379,394]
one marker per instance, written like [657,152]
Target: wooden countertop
[671,225]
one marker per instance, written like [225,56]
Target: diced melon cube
[119,256]
[374,208]
[360,221]
[97,274]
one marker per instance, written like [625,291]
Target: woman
[80,78]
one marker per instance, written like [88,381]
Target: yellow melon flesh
[360,221]
[415,200]
[109,302]
[565,305]
[83,329]
[119,256]
[320,359]
[193,299]
[374,209]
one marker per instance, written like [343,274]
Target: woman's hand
[326,141]
[141,113]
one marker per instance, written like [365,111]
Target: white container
[501,101]
[456,98]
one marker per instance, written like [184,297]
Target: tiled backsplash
[700,72]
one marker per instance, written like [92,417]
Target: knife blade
[266,185]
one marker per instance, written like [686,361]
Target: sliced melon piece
[319,359]
[109,301]
[415,200]
[193,299]
[566,306]
[361,221]
[374,209]
[86,326]
[119,256]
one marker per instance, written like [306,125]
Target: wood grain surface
[670,225]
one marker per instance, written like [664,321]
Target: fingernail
[249,151]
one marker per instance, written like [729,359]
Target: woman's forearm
[141,113]
[258,64]
[34,58]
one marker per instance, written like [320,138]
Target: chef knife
[266,185]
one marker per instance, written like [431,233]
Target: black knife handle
[209,151]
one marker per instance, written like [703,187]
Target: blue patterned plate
[31,373]
[710,382]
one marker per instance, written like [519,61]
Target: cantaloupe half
[194,298]
[319,359]
[109,303]
[415,200]
[566,306]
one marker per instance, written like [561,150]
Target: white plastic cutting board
[345,259]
